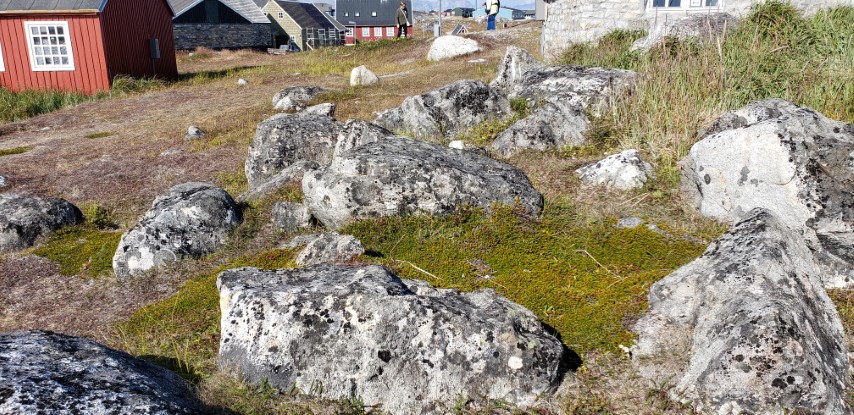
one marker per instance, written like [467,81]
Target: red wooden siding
[90,68]
[359,37]
[128,25]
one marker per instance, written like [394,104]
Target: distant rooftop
[370,12]
[246,8]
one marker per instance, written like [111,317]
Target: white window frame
[685,5]
[378,31]
[350,32]
[28,25]
[2,63]
[366,32]
[389,31]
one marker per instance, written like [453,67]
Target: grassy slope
[571,267]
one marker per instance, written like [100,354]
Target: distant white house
[577,21]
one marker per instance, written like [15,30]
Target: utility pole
[441,12]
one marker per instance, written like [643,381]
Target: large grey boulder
[451,46]
[328,248]
[357,132]
[326,109]
[285,139]
[553,124]
[49,373]
[747,327]
[793,161]
[295,98]
[701,26]
[622,171]
[363,332]
[23,219]
[446,112]
[512,68]
[189,220]
[403,176]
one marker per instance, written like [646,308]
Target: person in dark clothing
[402,21]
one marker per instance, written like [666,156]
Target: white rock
[449,46]
[194,133]
[622,171]
[242,82]
[362,76]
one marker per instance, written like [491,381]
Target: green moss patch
[15,150]
[101,134]
[81,250]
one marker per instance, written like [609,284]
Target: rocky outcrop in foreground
[189,220]
[402,176]
[747,327]
[48,373]
[23,219]
[791,160]
[357,132]
[363,332]
[446,112]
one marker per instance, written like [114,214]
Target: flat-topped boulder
[625,170]
[364,332]
[190,220]
[552,125]
[403,176]
[286,139]
[451,46]
[295,98]
[24,219]
[49,373]
[747,327]
[790,160]
[446,112]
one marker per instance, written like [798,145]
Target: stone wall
[578,21]
[223,36]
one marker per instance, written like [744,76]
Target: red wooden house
[369,20]
[81,45]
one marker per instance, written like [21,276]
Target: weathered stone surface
[23,219]
[3,181]
[703,27]
[630,222]
[362,76]
[189,220]
[621,171]
[553,124]
[285,139]
[328,248]
[403,176]
[512,67]
[362,331]
[295,98]
[793,161]
[446,112]
[221,35]
[358,132]
[290,174]
[591,88]
[290,217]
[194,133]
[450,46]
[747,327]
[49,373]
[326,109]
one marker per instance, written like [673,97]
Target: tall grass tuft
[15,106]
[775,52]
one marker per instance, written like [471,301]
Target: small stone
[3,181]
[480,61]
[631,222]
[362,76]
[194,133]
[242,82]
[295,98]
[330,248]
[171,152]
[622,171]
[325,109]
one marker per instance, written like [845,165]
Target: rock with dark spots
[189,220]
[329,248]
[747,327]
[621,171]
[512,67]
[357,132]
[446,112]
[791,160]
[591,88]
[551,125]
[194,133]
[402,344]
[23,219]
[701,26]
[49,373]
[404,176]
[288,175]
[295,98]
[326,109]
[285,139]
[290,217]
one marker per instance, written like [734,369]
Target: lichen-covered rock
[49,373]
[326,109]
[701,26]
[328,248]
[295,98]
[446,112]
[793,161]
[512,67]
[747,327]
[451,46]
[23,219]
[3,181]
[363,332]
[290,217]
[189,220]
[357,132]
[285,139]
[621,171]
[290,174]
[551,125]
[362,76]
[404,176]
[194,133]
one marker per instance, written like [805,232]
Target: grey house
[303,26]
[220,24]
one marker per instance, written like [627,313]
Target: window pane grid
[50,48]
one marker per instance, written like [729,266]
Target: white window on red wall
[389,31]
[349,32]
[366,32]
[50,46]
[378,32]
